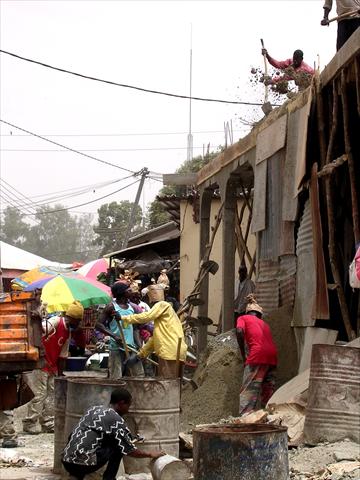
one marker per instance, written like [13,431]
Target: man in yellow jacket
[164,343]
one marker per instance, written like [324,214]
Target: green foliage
[56,235]
[13,228]
[157,215]
[112,223]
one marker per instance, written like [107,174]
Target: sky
[140,43]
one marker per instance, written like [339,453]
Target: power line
[117,134]
[101,149]
[58,198]
[86,203]
[141,89]
[67,148]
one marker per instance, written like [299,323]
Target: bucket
[155,293]
[170,468]
[75,364]
[332,411]
[154,413]
[241,452]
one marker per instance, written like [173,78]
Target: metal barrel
[154,413]
[240,452]
[333,408]
[60,392]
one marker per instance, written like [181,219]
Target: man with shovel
[168,341]
[121,337]
[348,18]
[293,66]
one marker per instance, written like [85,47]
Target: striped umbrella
[94,268]
[60,291]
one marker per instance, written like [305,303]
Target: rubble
[320,462]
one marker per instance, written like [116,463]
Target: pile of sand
[219,377]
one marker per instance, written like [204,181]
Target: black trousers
[345,29]
[108,454]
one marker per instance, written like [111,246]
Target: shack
[302,164]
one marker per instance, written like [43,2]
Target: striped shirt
[99,424]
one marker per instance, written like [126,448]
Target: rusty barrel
[333,411]
[240,452]
[154,413]
[60,392]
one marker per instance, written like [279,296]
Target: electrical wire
[118,134]
[67,148]
[150,149]
[86,203]
[58,198]
[157,92]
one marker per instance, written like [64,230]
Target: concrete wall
[189,255]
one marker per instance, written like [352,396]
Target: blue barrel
[241,452]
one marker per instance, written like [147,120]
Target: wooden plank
[259,207]
[179,178]
[13,334]
[321,301]
[289,202]
[13,321]
[271,139]
[348,51]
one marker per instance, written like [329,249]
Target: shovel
[266,107]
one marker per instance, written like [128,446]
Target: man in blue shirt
[110,323]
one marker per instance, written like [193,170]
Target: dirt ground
[37,448]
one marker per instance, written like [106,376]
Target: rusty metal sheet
[305,275]
[287,280]
[289,201]
[259,207]
[321,302]
[270,237]
[275,286]
[271,139]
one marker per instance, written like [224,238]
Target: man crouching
[102,437]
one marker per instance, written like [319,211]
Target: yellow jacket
[167,331]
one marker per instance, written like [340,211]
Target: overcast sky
[141,43]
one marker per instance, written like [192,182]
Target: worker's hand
[264,52]
[100,346]
[325,21]
[156,455]
[117,315]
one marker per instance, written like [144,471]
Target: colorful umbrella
[59,292]
[92,269]
[43,281]
[35,274]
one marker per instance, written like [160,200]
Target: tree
[13,228]
[56,235]
[86,250]
[112,223]
[157,214]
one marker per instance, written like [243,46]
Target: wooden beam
[331,167]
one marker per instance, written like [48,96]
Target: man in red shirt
[260,356]
[55,341]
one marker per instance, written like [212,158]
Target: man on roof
[294,67]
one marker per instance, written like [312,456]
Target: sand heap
[219,377]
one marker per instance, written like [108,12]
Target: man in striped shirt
[101,437]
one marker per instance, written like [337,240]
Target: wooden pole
[351,165]
[331,222]
[178,357]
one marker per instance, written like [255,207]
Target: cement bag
[354,271]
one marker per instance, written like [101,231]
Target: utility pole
[144,173]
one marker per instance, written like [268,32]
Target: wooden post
[331,222]
[348,151]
